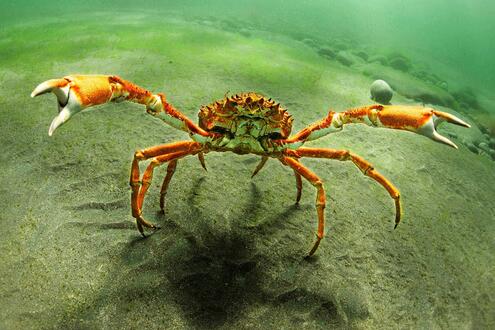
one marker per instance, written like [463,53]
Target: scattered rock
[466,98]
[484,146]
[400,62]
[381,91]
[378,59]
[472,148]
[228,25]
[408,86]
[340,44]
[444,85]
[362,54]
[310,42]
[345,58]
[326,52]
[452,135]
[433,98]
[430,78]
[245,32]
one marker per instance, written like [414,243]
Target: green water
[230,251]
[446,33]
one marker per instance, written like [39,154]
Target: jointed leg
[298,186]
[201,157]
[363,165]
[259,166]
[148,173]
[170,172]
[416,119]
[178,149]
[78,92]
[301,170]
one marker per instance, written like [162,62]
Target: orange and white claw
[420,120]
[417,119]
[75,93]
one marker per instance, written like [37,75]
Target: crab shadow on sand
[212,277]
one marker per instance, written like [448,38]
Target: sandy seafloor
[230,251]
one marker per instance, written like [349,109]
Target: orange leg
[182,148]
[303,171]
[363,165]
[170,172]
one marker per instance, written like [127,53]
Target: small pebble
[452,135]
[484,146]
[381,91]
[473,148]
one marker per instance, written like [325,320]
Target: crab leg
[201,158]
[320,195]
[78,92]
[163,192]
[148,173]
[259,166]
[178,149]
[416,119]
[298,186]
[364,166]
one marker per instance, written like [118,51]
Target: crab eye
[219,129]
[275,135]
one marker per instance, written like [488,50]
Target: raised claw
[417,119]
[75,93]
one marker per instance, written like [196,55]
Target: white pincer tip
[62,117]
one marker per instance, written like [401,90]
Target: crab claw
[75,93]
[416,119]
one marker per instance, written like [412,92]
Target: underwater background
[230,252]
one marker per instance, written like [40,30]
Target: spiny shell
[222,113]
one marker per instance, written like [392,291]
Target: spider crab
[243,123]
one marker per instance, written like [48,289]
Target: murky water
[231,250]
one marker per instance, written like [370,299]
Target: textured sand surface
[230,251]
